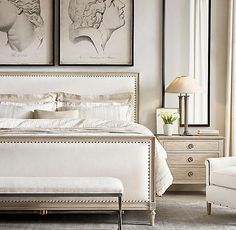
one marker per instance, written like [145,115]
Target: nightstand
[187,155]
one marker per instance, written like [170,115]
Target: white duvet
[90,127]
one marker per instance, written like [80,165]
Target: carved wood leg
[152,217]
[208,208]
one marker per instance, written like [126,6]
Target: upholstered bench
[63,187]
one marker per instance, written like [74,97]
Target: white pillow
[103,111]
[31,102]
[51,106]
[12,111]
[41,114]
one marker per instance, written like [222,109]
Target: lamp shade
[184,84]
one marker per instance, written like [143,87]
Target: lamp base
[186,133]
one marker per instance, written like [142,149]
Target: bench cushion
[60,185]
[224,177]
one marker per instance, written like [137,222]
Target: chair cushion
[60,185]
[224,177]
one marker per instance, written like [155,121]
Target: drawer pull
[190,146]
[190,159]
[190,174]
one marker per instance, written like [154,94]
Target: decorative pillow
[42,114]
[101,110]
[11,111]
[105,111]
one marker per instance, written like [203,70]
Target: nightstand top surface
[179,137]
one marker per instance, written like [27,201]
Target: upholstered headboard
[80,83]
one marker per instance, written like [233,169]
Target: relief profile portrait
[22,23]
[94,21]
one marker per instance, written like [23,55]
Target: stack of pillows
[60,105]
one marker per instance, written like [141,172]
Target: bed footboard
[131,159]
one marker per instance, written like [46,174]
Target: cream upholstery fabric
[42,114]
[221,181]
[224,177]
[60,185]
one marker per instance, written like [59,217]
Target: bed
[81,147]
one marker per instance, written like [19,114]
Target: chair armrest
[222,162]
[213,164]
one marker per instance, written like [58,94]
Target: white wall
[148,47]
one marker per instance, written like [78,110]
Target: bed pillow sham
[28,98]
[30,102]
[12,111]
[76,98]
[42,114]
[105,107]
[101,110]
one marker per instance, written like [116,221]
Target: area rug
[174,212]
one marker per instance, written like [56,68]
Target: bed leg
[152,217]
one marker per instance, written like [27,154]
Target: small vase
[168,129]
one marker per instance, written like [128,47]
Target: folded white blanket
[87,127]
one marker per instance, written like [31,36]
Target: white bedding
[90,127]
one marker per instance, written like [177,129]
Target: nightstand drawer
[189,175]
[189,159]
[191,145]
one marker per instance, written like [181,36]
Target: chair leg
[208,208]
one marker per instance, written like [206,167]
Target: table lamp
[184,85]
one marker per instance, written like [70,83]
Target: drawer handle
[190,159]
[190,146]
[190,174]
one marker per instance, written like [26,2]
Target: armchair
[221,182]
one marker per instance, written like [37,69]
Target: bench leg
[120,212]
[208,208]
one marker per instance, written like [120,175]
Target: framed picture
[160,123]
[26,32]
[96,32]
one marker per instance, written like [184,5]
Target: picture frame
[102,39]
[35,45]
[160,123]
